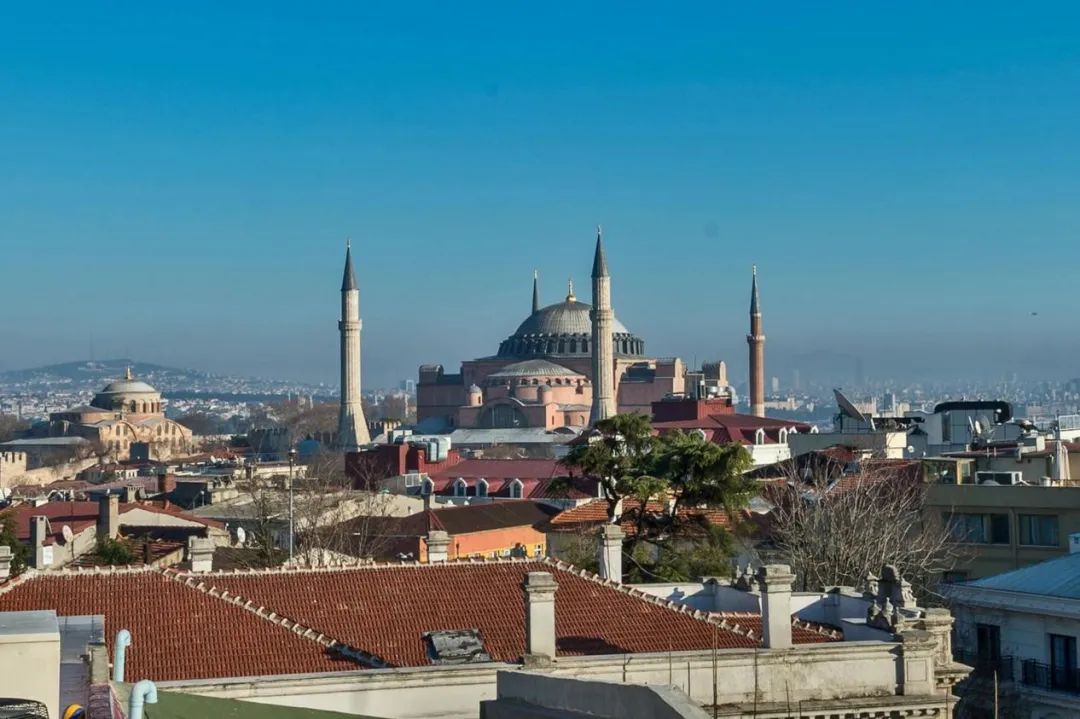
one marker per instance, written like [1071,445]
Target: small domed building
[542,375]
[124,413]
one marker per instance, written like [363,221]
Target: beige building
[125,417]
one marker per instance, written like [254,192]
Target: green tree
[9,538]
[689,474]
[115,552]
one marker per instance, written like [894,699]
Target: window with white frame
[460,487]
[516,489]
[539,550]
[759,437]
[427,487]
[481,488]
[783,436]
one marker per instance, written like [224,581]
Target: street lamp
[292,525]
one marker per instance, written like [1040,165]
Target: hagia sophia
[126,412]
[545,374]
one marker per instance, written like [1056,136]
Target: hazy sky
[177,179]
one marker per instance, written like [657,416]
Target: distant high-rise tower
[352,427]
[602,316]
[756,340]
[775,385]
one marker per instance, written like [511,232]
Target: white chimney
[5,562]
[540,615]
[39,530]
[611,541]
[438,546]
[775,581]
[1074,543]
[201,554]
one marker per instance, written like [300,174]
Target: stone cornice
[1015,601]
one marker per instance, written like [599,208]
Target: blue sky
[177,179]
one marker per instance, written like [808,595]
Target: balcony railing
[983,667]
[1050,678]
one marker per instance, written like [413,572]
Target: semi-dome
[533,368]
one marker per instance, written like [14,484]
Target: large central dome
[568,317]
[565,330]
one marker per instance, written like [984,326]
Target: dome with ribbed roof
[564,330]
[128,395]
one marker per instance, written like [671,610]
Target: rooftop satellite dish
[67,534]
[241,535]
[848,409]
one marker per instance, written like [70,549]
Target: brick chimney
[108,523]
[5,562]
[201,554]
[540,590]
[775,581]
[438,546]
[39,530]
[611,539]
[166,483]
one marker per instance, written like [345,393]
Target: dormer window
[427,487]
[482,488]
[460,487]
[759,437]
[783,436]
[516,489]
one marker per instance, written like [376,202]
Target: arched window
[562,346]
[759,437]
[573,346]
[585,346]
[783,436]
[481,488]
[793,430]
[427,487]
[516,489]
[460,487]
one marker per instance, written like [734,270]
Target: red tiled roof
[82,515]
[595,513]
[802,632]
[549,488]
[386,610]
[493,469]
[178,632]
[725,428]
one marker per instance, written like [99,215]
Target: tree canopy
[695,480]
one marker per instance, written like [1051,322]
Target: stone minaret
[352,427]
[536,292]
[756,340]
[602,316]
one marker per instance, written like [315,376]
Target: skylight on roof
[456,646]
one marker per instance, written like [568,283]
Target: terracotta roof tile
[490,469]
[81,515]
[386,610]
[178,632]
[594,513]
[802,632]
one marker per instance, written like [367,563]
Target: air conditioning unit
[1000,478]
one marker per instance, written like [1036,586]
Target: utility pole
[292,522]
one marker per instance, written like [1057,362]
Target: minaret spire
[348,281]
[536,292]
[352,426]
[603,349]
[756,342]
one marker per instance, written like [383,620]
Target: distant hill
[92,375]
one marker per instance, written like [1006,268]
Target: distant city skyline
[179,183]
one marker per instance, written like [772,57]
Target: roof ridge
[267,614]
[651,598]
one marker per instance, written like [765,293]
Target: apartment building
[1002,526]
